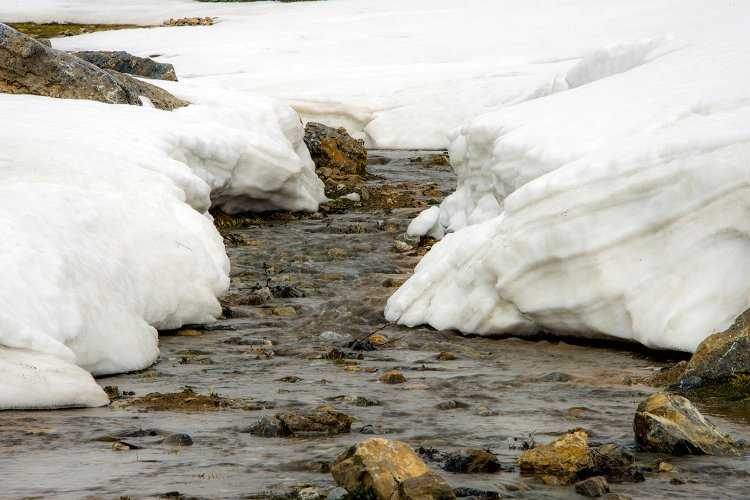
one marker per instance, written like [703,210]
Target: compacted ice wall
[105,235]
[616,206]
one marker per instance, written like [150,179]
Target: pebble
[309,493]
[352,197]
[393,377]
[592,487]
[284,311]
[338,493]
[178,439]
[446,356]
[665,467]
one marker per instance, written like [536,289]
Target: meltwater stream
[345,264]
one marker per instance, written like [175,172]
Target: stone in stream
[722,358]
[335,150]
[178,439]
[472,461]
[381,469]
[322,421]
[593,487]
[669,423]
[123,62]
[30,67]
[393,377]
[563,458]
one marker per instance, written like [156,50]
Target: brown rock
[333,148]
[29,67]
[723,355]
[323,420]
[563,458]
[393,377]
[472,461]
[593,487]
[189,21]
[446,356]
[669,423]
[388,470]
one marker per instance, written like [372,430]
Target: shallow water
[342,262]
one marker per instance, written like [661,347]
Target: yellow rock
[377,339]
[284,311]
[388,470]
[562,458]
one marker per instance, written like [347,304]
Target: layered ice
[105,232]
[616,206]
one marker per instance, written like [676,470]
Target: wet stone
[178,439]
[381,469]
[562,459]
[446,356]
[322,421]
[669,423]
[471,461]
[592,487]
[452,404]
[392,377]
[474,493]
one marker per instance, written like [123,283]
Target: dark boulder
[30,67]
[123,62]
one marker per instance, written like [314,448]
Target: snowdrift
[398,74]
[105,235]
[615,206]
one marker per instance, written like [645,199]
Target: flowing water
[346,265]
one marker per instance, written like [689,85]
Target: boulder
[340,160]
[564,458]
[593,487]
[123,62]
[323,420]
[669,423]
[722,356]
[388,470]
[30,67]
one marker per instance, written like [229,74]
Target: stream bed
[333,272]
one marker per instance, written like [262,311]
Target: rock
[29,67]
[387,470]
[178,439]
[189,21]
[614,462]
[378,340]
[322,421]
[309,493]
[470,461]
[122,62]
[446,356]
[556,377]
[358,400]
[722,356]
[669,423]
[335,149]
[563,458]
[393,377]
[593,487]
[284,311]
[452,404]
[337,493]
[476,494]
[665,467]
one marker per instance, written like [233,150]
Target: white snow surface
[400,74]
[105,230]
[616,206]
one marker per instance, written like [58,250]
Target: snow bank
[616,206]
[104,231]
[398,74]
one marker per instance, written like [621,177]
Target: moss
[57,30]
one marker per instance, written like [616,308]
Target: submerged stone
[322,421]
